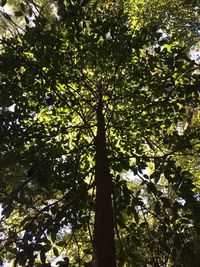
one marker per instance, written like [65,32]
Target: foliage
[51,75]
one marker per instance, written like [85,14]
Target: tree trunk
[104,243]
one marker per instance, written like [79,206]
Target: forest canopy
[100,114]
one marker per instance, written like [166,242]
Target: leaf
[26,19]
[143,224]
[156,176]
[151,187]
[136,216]
[3,3]
[53,236]
[55,252]
[23,8]
[43,257]
[60,243]
[6,16]
[138,109]
[87,251]
[166,202]
[157,208]
[30,11]
[120,222]
[19,13]
[129,210]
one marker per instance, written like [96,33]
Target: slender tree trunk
[104,243]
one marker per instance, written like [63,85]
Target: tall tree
[96,91]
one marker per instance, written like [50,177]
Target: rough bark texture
[104,243]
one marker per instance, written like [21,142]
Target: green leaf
[43,257]
[30,11]
[129,210]
[55,252]
[19,13]
[166,202]
[53,235]
[157,208]
[23,8]
[6,16]
[136,216]
[151,187]
[120,222]
[142,95]
[26,19]
[156,176]
[61,243]
[88,251]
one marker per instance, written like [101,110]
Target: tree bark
[104,243]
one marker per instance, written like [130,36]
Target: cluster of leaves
[50,75]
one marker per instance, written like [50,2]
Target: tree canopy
[100,133]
